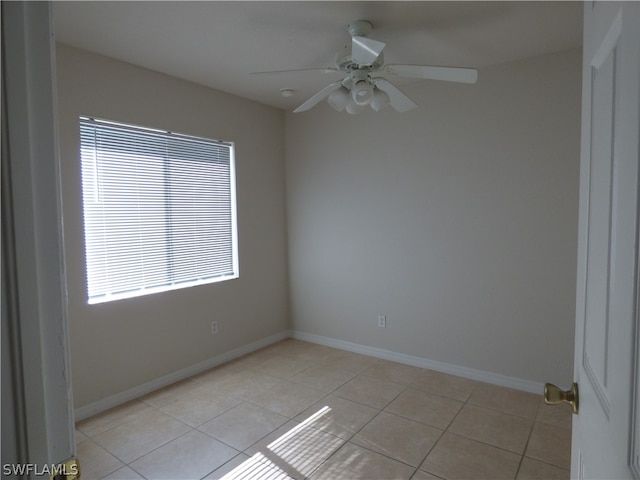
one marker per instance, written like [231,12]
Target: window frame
[170,225]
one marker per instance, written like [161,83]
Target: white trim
[160,382]
[470,373]
[148,387]
[34,277]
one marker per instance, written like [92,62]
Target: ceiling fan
[365,85]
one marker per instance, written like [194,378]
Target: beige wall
[457,220]
[117,346]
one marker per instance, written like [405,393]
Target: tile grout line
[158,409]
[354,434]
[449,425]
[533,424]
[293,419]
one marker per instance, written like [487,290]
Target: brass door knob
[554,395]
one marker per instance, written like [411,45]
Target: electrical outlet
[382,321]
[214,327]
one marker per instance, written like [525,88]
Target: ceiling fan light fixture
[362,93]
[339,99]
[361,63]
[353,108]
[380,100]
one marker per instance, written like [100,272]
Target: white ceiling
[219,44]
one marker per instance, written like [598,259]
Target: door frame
[37,405]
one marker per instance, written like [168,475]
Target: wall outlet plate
[382,321]
[214,327]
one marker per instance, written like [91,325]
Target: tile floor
[296,410]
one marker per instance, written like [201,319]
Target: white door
[605,431]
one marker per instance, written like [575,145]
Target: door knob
[554,395]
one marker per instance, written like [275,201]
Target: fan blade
[448,74]
[320,70]
[397,99]
[365,51]
[318,97]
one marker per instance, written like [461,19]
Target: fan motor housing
[345,63]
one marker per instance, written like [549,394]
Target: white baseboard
[148,387]
[473,374]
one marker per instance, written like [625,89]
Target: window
[159,210]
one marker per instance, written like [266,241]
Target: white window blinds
[159,210]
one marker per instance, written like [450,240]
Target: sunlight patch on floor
[297,453]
